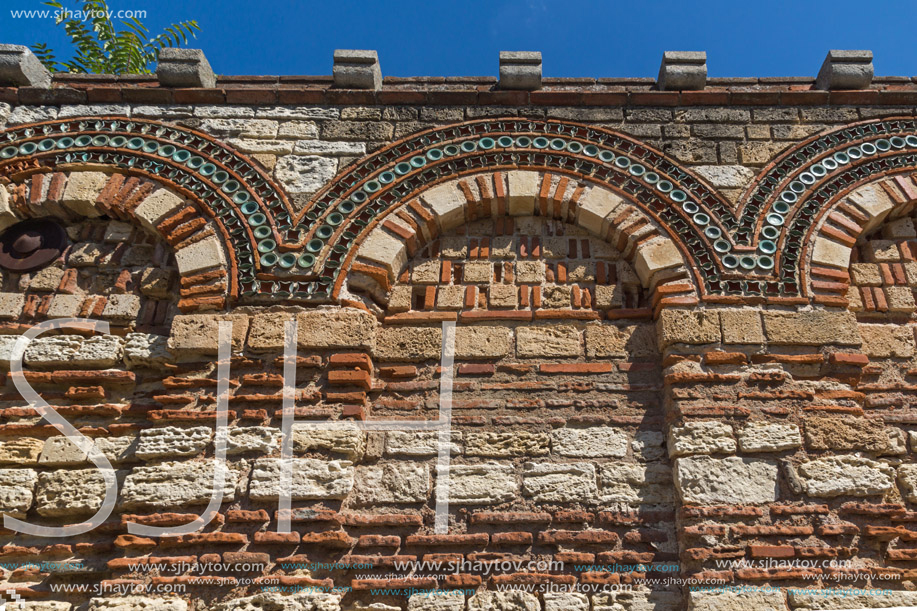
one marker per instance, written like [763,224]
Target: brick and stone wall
[636,380]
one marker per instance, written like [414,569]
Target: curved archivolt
[385,250]
[758,250]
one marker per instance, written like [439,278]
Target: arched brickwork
[384,252]
[144,203]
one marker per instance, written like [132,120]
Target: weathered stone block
[595,207]
[409,343]
[506,444]
[907,477]
[440,601]
[483,484]
[636,484]
[21,451]
[742,327]
[654,256]
[740,600]
[593,442]
[156,206]
[69,493]
[184,68]
[514,600]
[836,475]
[419,443]
[198,334]
[138,603]
[804,599]
[812,328]
[396,482]
[888,341]
[845,433]
[348,442]
[521,190]
[606,340]
[705,480]
[17,488]
[553,341]
[312,479]
[146,351]
[559,483]
[176,484]
[769,437]
[262,439]
[336,328]
[447,203]
[687,327]
[706,437]
[173,441]
[82,191]
[483,342]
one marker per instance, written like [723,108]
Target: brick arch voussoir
[205,264]
[852,216]
[386,247]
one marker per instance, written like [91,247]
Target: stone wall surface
[624,403]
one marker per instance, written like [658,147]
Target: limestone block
[117,449]
[888,341]
[506,444]
[742,327]
[513,600]
[336,328]
[557,297]
[441,601]
[845,433]
[811,328]
[521,190]
[552,341]
[146,351]
[99,351]
[305,174]
[447,298]
[656,255]
[769,437]
[600,441]
[82,190]
[198,334]
[419,443]
[874,201]
[648,445]
[636,484]
[263,439]
[312,479]
[69,493]
[704,480]
[852,475]
[565,601]
[307,599]
[607,340]
[478,272]
[184,68]
[266,333]
[347,442]
[200,256]
[385,249]
[447,202]
[409,344]
[594,208]
[21,451]
[726,176]
[11,304]
[687,327]
[483,484]
[65,306]
[907,477]
[483,342]
[705,437]
[157,205]
[804,600]
[53,350]
[529,272]
[173,441]
[635,600]
[122,307]
[17,488]
[503,296]
[138,603]
[559,483]
[759,600]
[830,253]
[44,605]
[59,451]
[395,482]
[170,485]
[608,297]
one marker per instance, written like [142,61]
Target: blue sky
[585,38]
